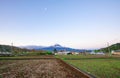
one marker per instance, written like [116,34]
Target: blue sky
[79,24]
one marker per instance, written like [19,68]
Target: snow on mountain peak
[57,45]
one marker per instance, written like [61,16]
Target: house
[62,53]
[92,52]
[100,53]
[97,53]
[116,52]
[74,53]
[5,54]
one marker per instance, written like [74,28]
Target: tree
[55,51]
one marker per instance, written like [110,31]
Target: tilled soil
[42,68]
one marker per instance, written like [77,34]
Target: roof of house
[117,51]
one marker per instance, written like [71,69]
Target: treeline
[110,48]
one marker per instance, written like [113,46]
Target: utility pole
[108,49]
[12,48]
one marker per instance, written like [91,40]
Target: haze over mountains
[32,47]
[51,48]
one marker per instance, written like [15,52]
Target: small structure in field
[116,52]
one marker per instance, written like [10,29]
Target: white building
[62,53]
[5,53]
[97,53]
[117,52]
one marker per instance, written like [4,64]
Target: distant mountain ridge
[51,48]
[32,47]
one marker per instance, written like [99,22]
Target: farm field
[35,68]
[98,65]
[27,57]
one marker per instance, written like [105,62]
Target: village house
[74,53]
[116,52]
[62,53]
[5,53]
[97,53]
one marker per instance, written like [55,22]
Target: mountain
[51,48]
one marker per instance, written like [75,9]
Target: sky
[82,24]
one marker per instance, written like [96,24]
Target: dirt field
[42,68]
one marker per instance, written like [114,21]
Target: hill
[111,47]
[8,48]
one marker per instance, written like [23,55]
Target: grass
[97,65]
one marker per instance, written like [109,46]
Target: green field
[98,65]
